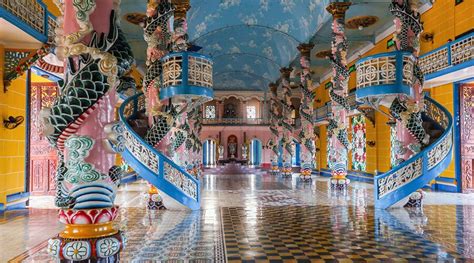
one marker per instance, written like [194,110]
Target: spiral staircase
[151,164]
[180,83]
[380,79]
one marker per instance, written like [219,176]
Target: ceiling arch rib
[240,80]
[237,27]
[252,63]
[270,29]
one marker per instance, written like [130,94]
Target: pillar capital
[338,9]
[181,8]
[285,72]
[305,49]
[273,87]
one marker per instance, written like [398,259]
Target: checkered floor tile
[321,233]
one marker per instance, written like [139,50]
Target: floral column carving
[338,123]
[411,136]
[97,58]
[306,134]
[275,119]
[158,38]
[287,129]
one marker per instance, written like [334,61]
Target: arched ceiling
[250,40]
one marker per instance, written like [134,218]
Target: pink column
[287,128]
[338,124]
[306,113]
[94,124]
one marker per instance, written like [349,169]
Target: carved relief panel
[43,158]
[467,137]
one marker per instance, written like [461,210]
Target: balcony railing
[448,57]
[235,121]
[31,16]
[385,74]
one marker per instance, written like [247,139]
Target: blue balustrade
[448,58]
[152,165]
[419,170]
[385,74]
[186,75]
[31,16]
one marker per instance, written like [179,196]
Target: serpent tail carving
[88,80]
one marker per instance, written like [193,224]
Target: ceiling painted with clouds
[250,40]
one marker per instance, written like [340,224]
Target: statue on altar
[221,151]
[244,151]
[232,149]
[232,146]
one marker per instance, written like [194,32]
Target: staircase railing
[32,16]
[452,56]
[411,175]
[153,165]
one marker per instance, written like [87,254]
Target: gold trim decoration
[74,231]
[338,9]
[361,21]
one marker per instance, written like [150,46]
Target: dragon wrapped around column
[160,118]
[338,123]
[273,143]
[287,128]
[407,110]
[158,38]
[306,134]
[80,125]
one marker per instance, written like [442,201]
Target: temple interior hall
[236,131]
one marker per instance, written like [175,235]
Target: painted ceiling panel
[298,18]
[250,40]
[240,80]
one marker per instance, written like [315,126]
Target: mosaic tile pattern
[165,236]
[259,220]
[322,233]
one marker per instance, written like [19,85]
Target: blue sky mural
[250,40]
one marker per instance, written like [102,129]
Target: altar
[233,160]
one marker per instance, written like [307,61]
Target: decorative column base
[339,183]
[415,199]
[305,172]
[275,169]
[89,235]
[338,179]
[155,201]
[286,170]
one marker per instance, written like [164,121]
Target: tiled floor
[259,217]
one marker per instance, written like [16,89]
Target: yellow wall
[322,145]
[12,142]
[446,21]
[52,7]
[444,95]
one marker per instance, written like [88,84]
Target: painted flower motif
[53,247]
[77,250]
[107,247]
